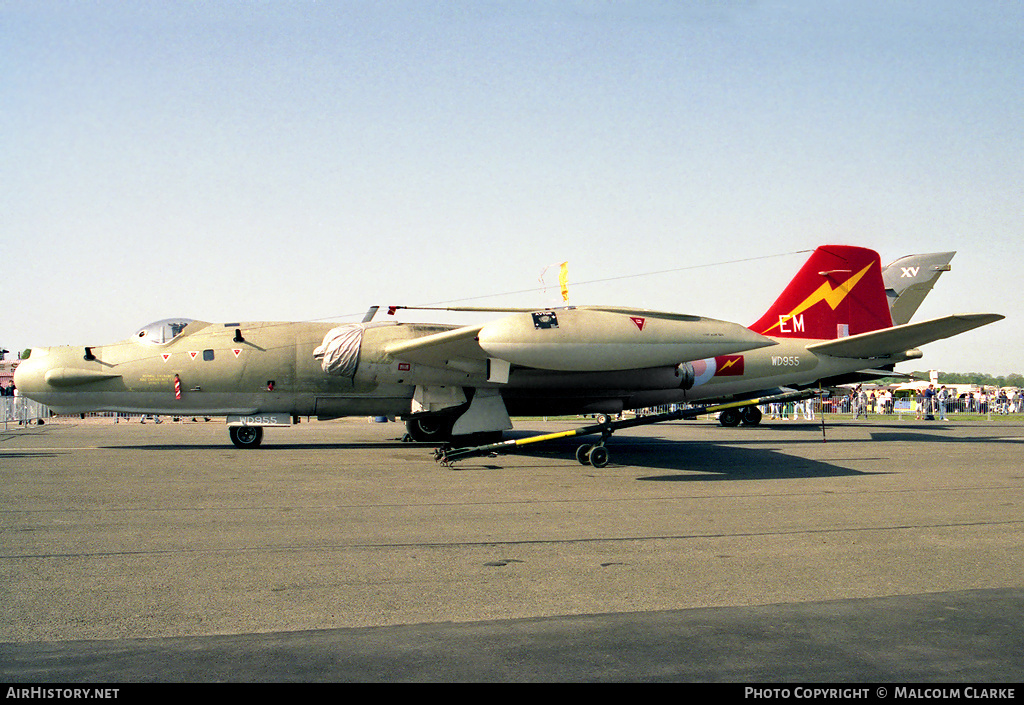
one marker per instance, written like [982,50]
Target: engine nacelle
[596,340]
[686,374]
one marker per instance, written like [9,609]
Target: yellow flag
[563,279]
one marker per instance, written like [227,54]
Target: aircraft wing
[643,312]
[438,349]
[888,341]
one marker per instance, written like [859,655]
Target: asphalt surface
[890,551]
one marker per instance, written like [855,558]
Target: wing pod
[597,340]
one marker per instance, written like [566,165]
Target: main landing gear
[433,428]
[747,415]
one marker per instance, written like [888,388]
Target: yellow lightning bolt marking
[825,292]
[730,363]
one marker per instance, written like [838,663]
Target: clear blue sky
[301,160]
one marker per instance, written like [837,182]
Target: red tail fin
[838,292]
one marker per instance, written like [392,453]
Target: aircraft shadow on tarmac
[690,460]
[701,461]
[909,436]
[272,447]
[733,457]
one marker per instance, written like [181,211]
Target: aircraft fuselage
[255,368]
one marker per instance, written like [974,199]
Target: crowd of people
[928,403]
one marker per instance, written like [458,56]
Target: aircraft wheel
[430,429]
[246,436]
[729,417]
[583,454]
[599,456]
[751,416]
[603,419]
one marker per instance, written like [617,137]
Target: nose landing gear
[246,436]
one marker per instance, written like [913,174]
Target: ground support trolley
[597,454]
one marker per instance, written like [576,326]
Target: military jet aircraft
[444,379]
[447,380]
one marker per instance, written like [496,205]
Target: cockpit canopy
[162,331]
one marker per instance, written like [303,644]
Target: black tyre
[599,456]
[246,436]
[430,429]
[729,417]
[583,454]
[751,416]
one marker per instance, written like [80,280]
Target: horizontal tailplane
[898,339]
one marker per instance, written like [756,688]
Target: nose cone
[29,375]
[60,378]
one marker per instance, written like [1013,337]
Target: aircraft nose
[30,376]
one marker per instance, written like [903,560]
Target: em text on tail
[838,292]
